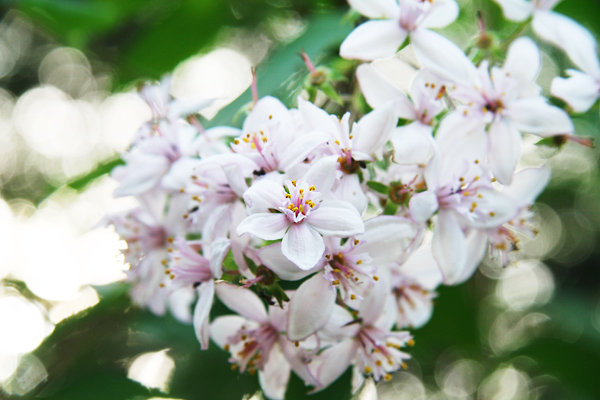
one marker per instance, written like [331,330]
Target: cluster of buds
[327,236]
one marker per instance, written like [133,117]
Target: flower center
[300,199]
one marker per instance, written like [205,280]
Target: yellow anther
[226,347]
[296,344]
[288,196]
[236,141]
[301,208]
[404,366]
[291,206]
[253,145]
[387,377]
[480,196]
[164,262]
[379,363]
[368,370]
[410,342]
[352,297]
[262,133]
[294,182]
[466,193]
[466,112]
[246,140]
[351,136]
[172,277]
[336,282]
[492,213]
[264,139]
[270,117]
[375,278]
[359,262]
[167,272]
[170,250]
[234,367]
[356,241]
[301,192]
[182,190]
[476,178]
[336,270]
[494,179]
[476,161]
[337,142]
[474,205]
[312,188]
[161,285]
[461,179]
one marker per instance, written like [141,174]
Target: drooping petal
[571,37]
[218,250]
[441,14]
[303,245]
[373,130]
[505,149]
[422,267]
[272,257]
[579,90]
[295,357]
[334,361]
[310,308]
[387,238]
[265,194]
[476,248]
[301,148]
[321,173]
[275,374]
[379,91]
[373,306]
[336,218]
[423,205]
[449,247]
[373,39]
[350,190]
[206,292]
[442,57]
[242,301]
[271,226]
[380,9]
[527,185]
[535,116]
[516,10]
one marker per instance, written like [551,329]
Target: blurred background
[68,72]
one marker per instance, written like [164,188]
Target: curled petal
[349,188]
[516,10]
[206,292]
[310,308]
[449,247]
[412,144]
[336,218]
[218,250]
[374,130]
[379,91]
[334,361]
[222,328]
[275,375]
[579,90]
[423,205]
[242,301]
[272,257]
[534,115]
[523,61]
[265,226]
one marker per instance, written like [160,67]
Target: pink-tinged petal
[180,304]
[387,238]
[422,267]
[477,244]
[242,301]
[206,293]
[373,306]
[303,246]
[334,361]
[388,317]
[297,360]
[536,116]
[579,90]
[264,194]
[412,144]
[299,150]
[349,188]
[423,205]
[516,10]
[184,107]
[310,307]
[380,9]
[266,111]
[336,218]
[275,375]
[449,247]
[339,326]
[316,118]
[235,178]
[272,257]
[575,40]
[179,174]
[373,39]
[523,61]
[505,149]
[218,250]
[373,130]
[142,173]
[222,328]
[527,185]
[442,57]
[416,312]
[379,91]
[271,226]
[441,14]
[365,389]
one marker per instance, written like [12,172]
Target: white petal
[299,150]
[310,307]
[422,267]
[527,185]
[378,90]
[449,247]
[373,130]
[580,90]
[275,375]
[218,250]
[321,173]
[476,248]
[267,226]
[412,144]
[272,257]
[297,360]
[206,292]
[516,10]
[235,178]
[423,206]
[441,14]
[184,107]
[505,150]
[571,37]
[536,116]
[336,218]
[373,305]
[335,361]
[266,111]
[350,190]
[442,57]
[373,39]
[385,9]
[502,207]
[222,328]
[242,301]
[303,246]
[523,61]
[264,194]
[387,238]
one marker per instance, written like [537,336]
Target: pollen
[297,344]
[312,188]
[352,297]
[375,278]
[253,145]
[161,285]
[236,141]
[337,142]
[492,213]
[379,363]
[410,342]
[264,139]
[368,370]
[356,241]
[336,282]
[404,366]
[387,377]
[351,136]
[294,182]
[359,262]
[288,196]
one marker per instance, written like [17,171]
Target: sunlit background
[68,72]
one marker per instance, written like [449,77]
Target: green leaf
[390,208]
[379,187]
[330,92]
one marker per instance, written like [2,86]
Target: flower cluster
[326,235]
